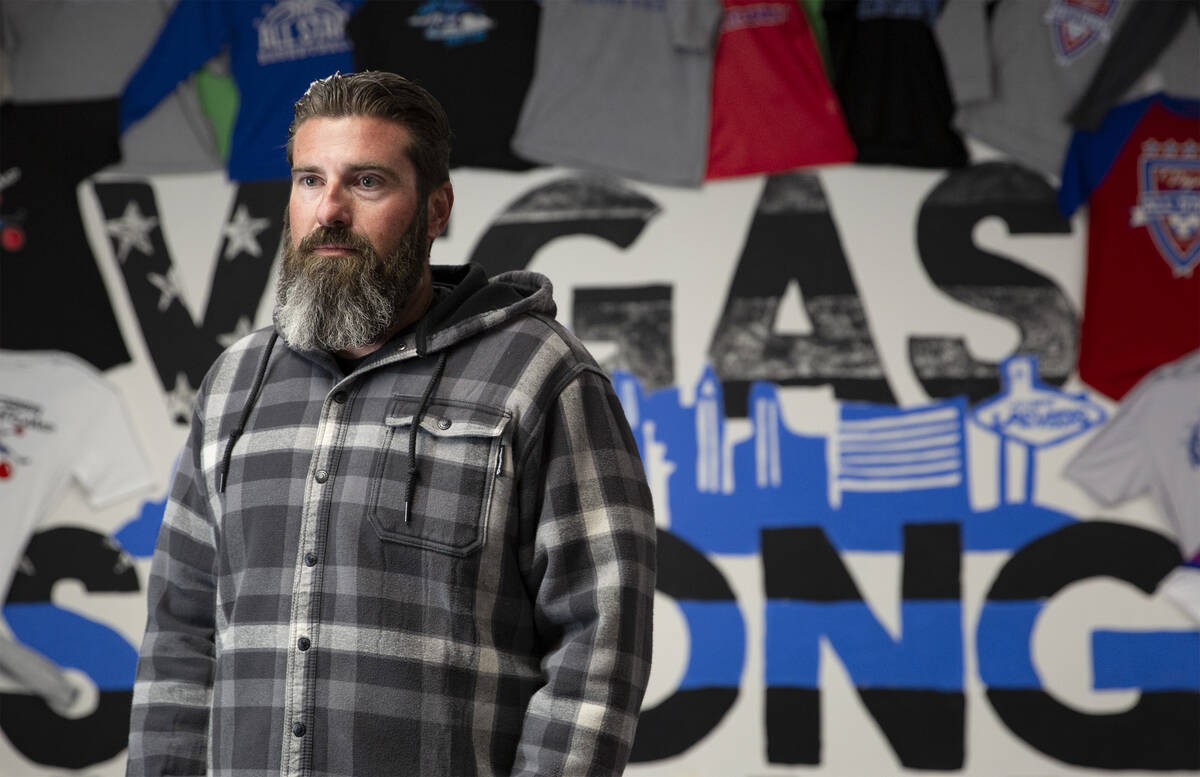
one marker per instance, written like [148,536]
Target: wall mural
[854,392]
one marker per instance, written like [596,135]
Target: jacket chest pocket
[459,455]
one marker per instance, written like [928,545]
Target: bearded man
[410,532]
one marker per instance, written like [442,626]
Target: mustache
[339,236]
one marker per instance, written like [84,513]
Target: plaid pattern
[298,625]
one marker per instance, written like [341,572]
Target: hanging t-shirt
[68,51]
[276,50]
[1015,66]
[1140,176]
[888,74]
[623,87]
[1152,445]
[60,422]
[773,108]
[475,57]
[51,293]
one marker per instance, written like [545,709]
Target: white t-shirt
[1153,444]
[60,421]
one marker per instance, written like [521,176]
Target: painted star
[167,285]
[132,230]
[240,330]
[241,234]
[180,399]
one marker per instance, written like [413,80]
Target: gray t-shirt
[69,50]
[1015,74]
[623,87]
[1152,445]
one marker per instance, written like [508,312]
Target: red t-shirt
[773,108]
[1140,175]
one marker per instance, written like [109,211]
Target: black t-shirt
[478,63]
[52,295]
[889,77]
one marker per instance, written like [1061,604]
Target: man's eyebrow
[358,167]
[382,167]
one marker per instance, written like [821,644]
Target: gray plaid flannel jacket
[312,613]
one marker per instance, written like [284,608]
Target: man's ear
[438,206]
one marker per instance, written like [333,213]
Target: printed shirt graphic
[1077,24]
[276,50]
[59,422]
[51,291]
[476,57]
[1140,175]
[773,108]
[1152,445]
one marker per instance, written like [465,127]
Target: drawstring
[241,424]
[411,487]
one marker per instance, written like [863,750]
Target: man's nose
[334,209]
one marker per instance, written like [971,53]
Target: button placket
[306,585]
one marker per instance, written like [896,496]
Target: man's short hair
[385,96]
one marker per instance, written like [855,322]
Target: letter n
[911,685]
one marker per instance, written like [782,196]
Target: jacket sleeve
[592,581]
[173,689]
[192,35]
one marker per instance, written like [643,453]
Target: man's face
[352,171]
[357,238]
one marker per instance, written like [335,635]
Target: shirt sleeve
[592,578]
[172,691]
[192,35]
[1113,466]
[962,35]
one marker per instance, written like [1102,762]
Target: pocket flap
[449,419]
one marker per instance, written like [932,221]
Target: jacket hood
[470,303]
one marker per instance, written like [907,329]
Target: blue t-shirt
[276,50]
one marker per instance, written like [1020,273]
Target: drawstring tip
[406,513]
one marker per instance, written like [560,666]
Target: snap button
[444,423]
[322,476]
[298,729]
[339,397]
[402,347]
[310,559]
[303,643]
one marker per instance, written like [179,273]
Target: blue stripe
[71,640]
[1004,643]
[718,644]
[1148,660]
[928,656]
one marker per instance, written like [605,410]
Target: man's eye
[368,181]
[308,180]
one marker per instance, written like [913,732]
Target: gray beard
[346,302]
